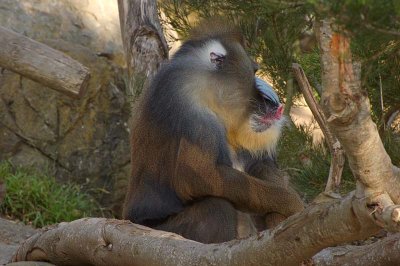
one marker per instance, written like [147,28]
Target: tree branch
[382,252]
[348,112]
[42,63]
[99,241]
[338,159]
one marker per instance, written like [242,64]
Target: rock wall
[83,140]
[12,234]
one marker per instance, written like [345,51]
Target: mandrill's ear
[217,59]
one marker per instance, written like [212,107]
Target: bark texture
[144,43]
[98,241]
[383,252]
[42,63]
[348,110]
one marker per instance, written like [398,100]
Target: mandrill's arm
[197,176]
[266,169]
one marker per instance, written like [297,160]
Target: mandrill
[203,142]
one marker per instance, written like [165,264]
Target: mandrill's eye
[217,59]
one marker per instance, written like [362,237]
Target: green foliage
[39,200]
[307,163]
[311,65]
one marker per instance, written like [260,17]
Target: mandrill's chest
[256,143]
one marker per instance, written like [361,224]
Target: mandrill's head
[221,76]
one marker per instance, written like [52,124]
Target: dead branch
[338,159]
[42,63]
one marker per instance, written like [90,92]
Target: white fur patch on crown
[212,46]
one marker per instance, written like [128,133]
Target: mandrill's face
[249,108]
[239,89]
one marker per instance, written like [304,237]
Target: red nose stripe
[279,112]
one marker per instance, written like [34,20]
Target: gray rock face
[85,140]
[12,234]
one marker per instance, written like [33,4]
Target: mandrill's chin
[272,116]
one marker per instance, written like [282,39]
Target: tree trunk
[145,49]
[144,43]
[348,110]
[42,63]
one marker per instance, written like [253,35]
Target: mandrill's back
[150,196]
[159,115]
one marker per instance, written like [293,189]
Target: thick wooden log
[42,63]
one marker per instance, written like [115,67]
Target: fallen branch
[42,63]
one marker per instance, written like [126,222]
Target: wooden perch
[42,64]
[338,159]
[100,241]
